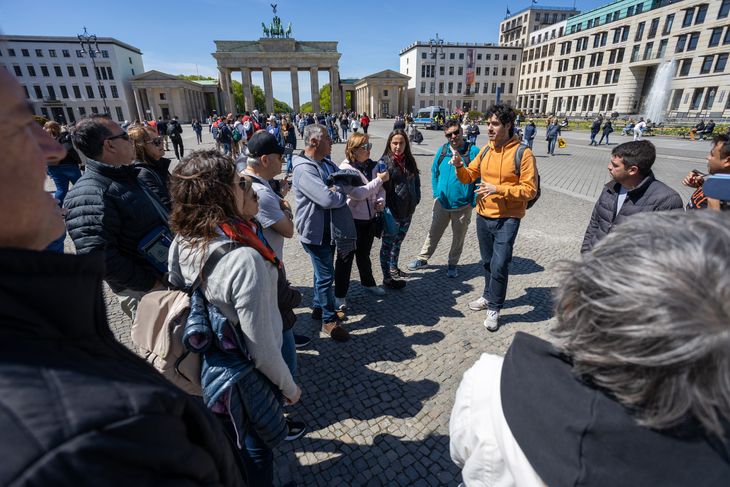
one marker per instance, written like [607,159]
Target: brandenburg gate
[277,52]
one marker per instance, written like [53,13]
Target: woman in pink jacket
[364,202]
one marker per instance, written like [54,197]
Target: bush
[474,115]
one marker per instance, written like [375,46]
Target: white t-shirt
[622,192]
[269,213]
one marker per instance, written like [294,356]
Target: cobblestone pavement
[377,407]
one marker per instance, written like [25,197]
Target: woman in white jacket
[364,202]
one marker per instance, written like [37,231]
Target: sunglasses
[367,146]
[155,141]
[123,135]
[450,135]
[245,184]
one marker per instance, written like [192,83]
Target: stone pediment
[388,74]
[154,75]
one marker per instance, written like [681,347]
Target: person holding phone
[718,162]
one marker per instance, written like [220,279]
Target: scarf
[249,234]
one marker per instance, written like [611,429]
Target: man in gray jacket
[634,189]
[320,213]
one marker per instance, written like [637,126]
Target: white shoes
[492,320]
[478,304]
[340,303]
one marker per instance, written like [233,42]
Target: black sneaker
[396,272]
[394,284]
[301,340]
[296,429]
[316,313]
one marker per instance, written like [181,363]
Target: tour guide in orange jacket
[502,201]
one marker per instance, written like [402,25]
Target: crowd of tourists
[638,362]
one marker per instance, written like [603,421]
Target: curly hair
[410,161]
[645,316]
[139,136]
[203,195]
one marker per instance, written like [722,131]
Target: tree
[259,100]
[306,107]
[325,101]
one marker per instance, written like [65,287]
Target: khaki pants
[440,219]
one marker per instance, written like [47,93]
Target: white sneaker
[375,290]
[492,320]
[478,304]
[341,303]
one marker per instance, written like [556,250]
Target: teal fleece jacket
[447,188]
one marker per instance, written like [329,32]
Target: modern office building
[61,82]
[516,29]
[460,76]
[610,58]
[537,68]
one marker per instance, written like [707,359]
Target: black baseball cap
[263,143]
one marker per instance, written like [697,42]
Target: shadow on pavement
[540,299]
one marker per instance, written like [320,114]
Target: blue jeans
[472,139]
[289,165]
[226,148]
[323,264]
[496,239]
[289,351]
[551,145]
[528,143]
[62,175]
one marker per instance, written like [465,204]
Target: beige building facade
[164,95]
[609,58]
[277,54]
[537,68]
[515,30]
[382,94]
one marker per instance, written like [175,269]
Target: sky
[177,36]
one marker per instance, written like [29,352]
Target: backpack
[158,327]
[518,162]
[248,128]
[172,129]
[442,156]
[237,134]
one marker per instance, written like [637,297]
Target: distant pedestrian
[345,126]
[365,122]
[639,129]
[174,130]
[595,128]
[607,129]
[162,131]
[551,134]
[529,133]
[198,129]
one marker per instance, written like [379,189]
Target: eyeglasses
[450,135]
[367,146]
[245,184]
[155,141]
[123,135]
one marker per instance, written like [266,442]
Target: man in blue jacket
[453,200]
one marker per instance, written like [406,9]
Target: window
[451,70]
[102,91]
[688,16]
[450,88]
[668,24]
[726,40]
[64,92]
[39,52]
[25,89]
[512,70]
[423,56]
[461,55]
[120,114]
[31,70]
[684,67]
[11,52]
[25,52]
[625,33]
[18,71]
[479,71]
[82,111]
[710,98]
[44,71]
[461,70]
[635,53]
[65,53]
[38,92]
[662,48]
[693,38]
[52,52]
[78,53]
[653,28]
[676,99]
[441,87]
[706,64]
[77,91]
[57,70]
[724,11]
[51,92]
[620,55]
[701,13]
[495,70]
[496,57]
[71,71]
[639,31]
[487,57]
[84,71]
[512,85]
[630,11]
[514,57]
[94,110]
[504,71]
[479,57]
[89,91]
[648,50]
[485,88]
[696,98]
[458,88]
[681,41]
[715,37]
[639,8]
[44,112]
[452,55]
[104,53]
[721,62]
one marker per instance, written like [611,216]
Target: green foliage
[281,107]
[306,107]
[325,102]
[193,77]
[474,115]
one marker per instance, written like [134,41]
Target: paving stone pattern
[378,406]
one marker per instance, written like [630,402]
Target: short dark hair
[723,139]
[639,153]
[505,114]
[452,123]
[90,133]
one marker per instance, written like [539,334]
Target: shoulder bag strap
[210,262]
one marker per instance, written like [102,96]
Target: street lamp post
[436,47]
[90,46]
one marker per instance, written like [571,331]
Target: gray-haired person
[633,388]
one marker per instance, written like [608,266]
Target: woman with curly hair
[213,206]
[150,159]
[402,195]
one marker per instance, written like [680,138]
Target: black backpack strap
[518,158]
[211,262]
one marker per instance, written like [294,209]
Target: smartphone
[698,173]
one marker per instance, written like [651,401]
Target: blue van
[426,117]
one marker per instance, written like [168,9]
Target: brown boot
[335,330]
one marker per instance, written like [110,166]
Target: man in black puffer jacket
[111,211]
[634,189]
[76,407]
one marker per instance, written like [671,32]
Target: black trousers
[343,265]
[177,145]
